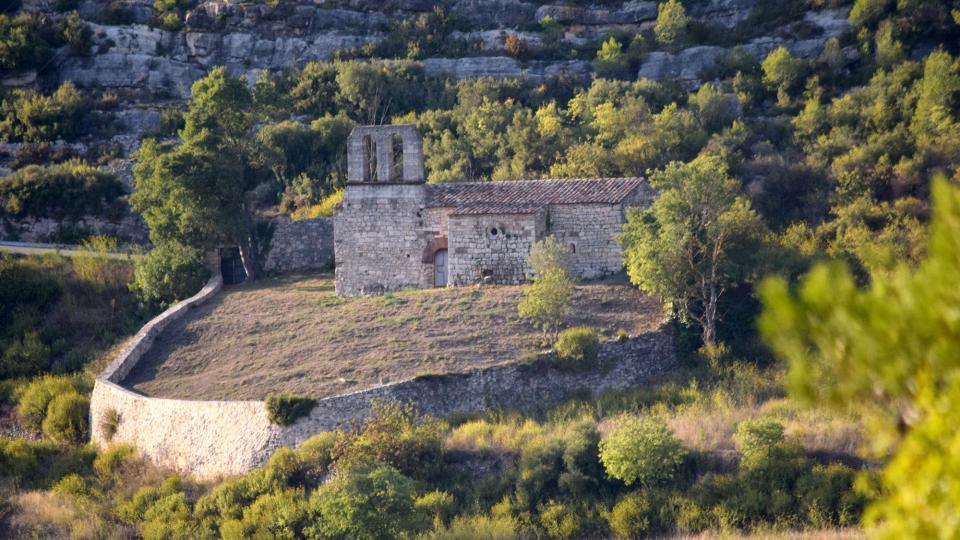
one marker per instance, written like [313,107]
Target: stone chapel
[395,231]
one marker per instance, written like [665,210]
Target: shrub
[577,347]
[285,409]
[26,354]
[39,464]
[70,189]
[756,438]
[582,468]
[35,399]
[169,517]
[109,423]
[316,456]
[540,466]
[437,504]
[630,517]
[32,117]
[274,515]
[826,496]
[326,208]
[95,266]
[168,273]
[66,420]
[397,435]
[366,504]
[72,485]
[516,46]
[560,521]
[641,450]
[501,527]
[114,462]
[26,40]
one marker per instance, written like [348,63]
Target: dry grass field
[295,334]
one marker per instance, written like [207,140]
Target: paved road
[29,248]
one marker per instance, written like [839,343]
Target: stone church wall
[379,239]
[589,231]
[492,247]
[298,246]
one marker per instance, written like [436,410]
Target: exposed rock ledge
[688,64]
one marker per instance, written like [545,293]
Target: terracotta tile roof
[529,196]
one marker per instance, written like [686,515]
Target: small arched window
[573,248]
[396,143]
[369,159]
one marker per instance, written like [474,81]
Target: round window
[494,231]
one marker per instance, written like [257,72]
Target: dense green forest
[820,400]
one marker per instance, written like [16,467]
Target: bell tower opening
[385,154]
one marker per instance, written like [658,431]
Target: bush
[316,456]
[70,189]
[39,464]
[756,438]
[26,40]
[540,466]
[641,450]
[397,435]
[115,462]
[285,409]
[31,117]
[630,517]
[582,468]
[280,514]
[827,498]
[366,504]
[326,208]
[561,521]
[168,273]
[437,504]
[66,421]
[476,528]
[577,347]
[35,399]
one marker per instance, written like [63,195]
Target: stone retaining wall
[210,439]
[298,246]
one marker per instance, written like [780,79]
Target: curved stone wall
[210,439]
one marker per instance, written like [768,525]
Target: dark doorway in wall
[231,266]
[440,268]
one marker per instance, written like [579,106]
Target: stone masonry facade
[299,246]
[393,231]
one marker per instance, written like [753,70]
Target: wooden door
[440,268]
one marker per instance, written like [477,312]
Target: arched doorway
[440,268]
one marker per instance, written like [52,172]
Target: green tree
[671,23]
[783,72]
[641,450]
[889,352]
[938,97]
[698,239]
[547,300]
[197,192]
[611,61]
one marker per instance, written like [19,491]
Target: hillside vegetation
[788,142]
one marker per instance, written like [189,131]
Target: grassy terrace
[295,334]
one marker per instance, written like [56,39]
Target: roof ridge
[501,182]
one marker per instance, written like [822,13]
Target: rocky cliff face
[145,65]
